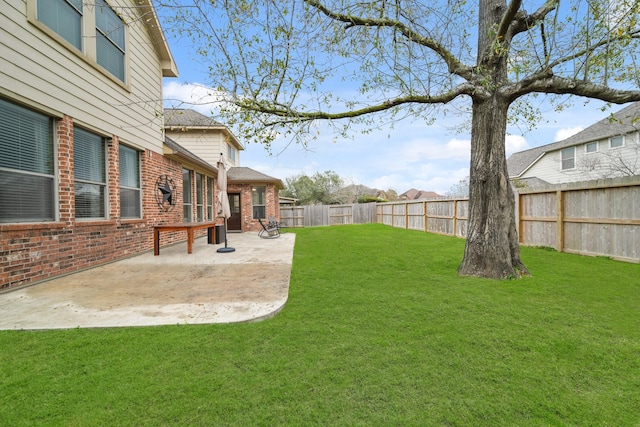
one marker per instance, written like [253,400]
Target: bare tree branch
[301,116]
[454,65]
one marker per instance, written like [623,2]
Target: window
[187,207]
[27,184]
[210,198]
[591,147]
[568,158]
[231,153]
[103,45]
[109,39]
[259,201]
[130,191]
[64,17]
[199,197]
[616,142]
[89,170]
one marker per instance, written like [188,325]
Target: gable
[622,122]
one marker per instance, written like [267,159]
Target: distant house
[414,194]
[81,144]
[610,148]
[287,201]
[252,194]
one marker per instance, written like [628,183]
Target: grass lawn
[378,331]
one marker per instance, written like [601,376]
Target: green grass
[378,331]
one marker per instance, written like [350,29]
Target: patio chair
[274,223]
[268,231]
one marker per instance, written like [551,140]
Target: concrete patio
[249,284]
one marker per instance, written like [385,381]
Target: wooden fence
[590,218]
[441,216]
[318,215]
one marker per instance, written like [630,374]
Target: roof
[242,175]
[620,123]
[185,119]
[181,154]
[414,194]
[168,65]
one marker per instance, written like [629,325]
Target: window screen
[210,198]
[258,199]
[200,197]
[27,185]
[130,192]
[64,17]
[110,45]
[89,169]
[616,142]
[568,158]
[187,207]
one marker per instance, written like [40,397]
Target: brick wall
[33,252]
[30,253]
[246,204]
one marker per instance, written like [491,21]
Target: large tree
[320,188]
[284,65]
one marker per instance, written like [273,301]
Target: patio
[249,284]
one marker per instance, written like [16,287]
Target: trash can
[220,234]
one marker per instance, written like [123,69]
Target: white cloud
[515,143]
[565,133]
[192,95]
[421,149]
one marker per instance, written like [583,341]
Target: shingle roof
[414,194]
[183,153]
[241,174]
[181,117]
[620,123]
[184,119]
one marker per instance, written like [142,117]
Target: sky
[409,155]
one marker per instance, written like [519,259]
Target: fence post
[519,218]
[426,217]
[455,217]
[560,221]
[406,215]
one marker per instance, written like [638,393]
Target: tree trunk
[492,248]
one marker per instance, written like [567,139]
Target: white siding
[42,72]
[206,144]
[606,163]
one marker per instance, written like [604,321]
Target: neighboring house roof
[176,151]
[533,182]
[183,119]
[242,175]
[620,123]
[168,65]
[414,194]
[287,200]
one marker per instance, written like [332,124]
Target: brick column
[113,153]
[64,133]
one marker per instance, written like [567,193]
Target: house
[414,194]
[607,149]
[85,169]
[252,194]
[202,135]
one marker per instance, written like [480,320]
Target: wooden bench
[189,227]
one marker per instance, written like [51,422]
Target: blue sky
[409,155]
